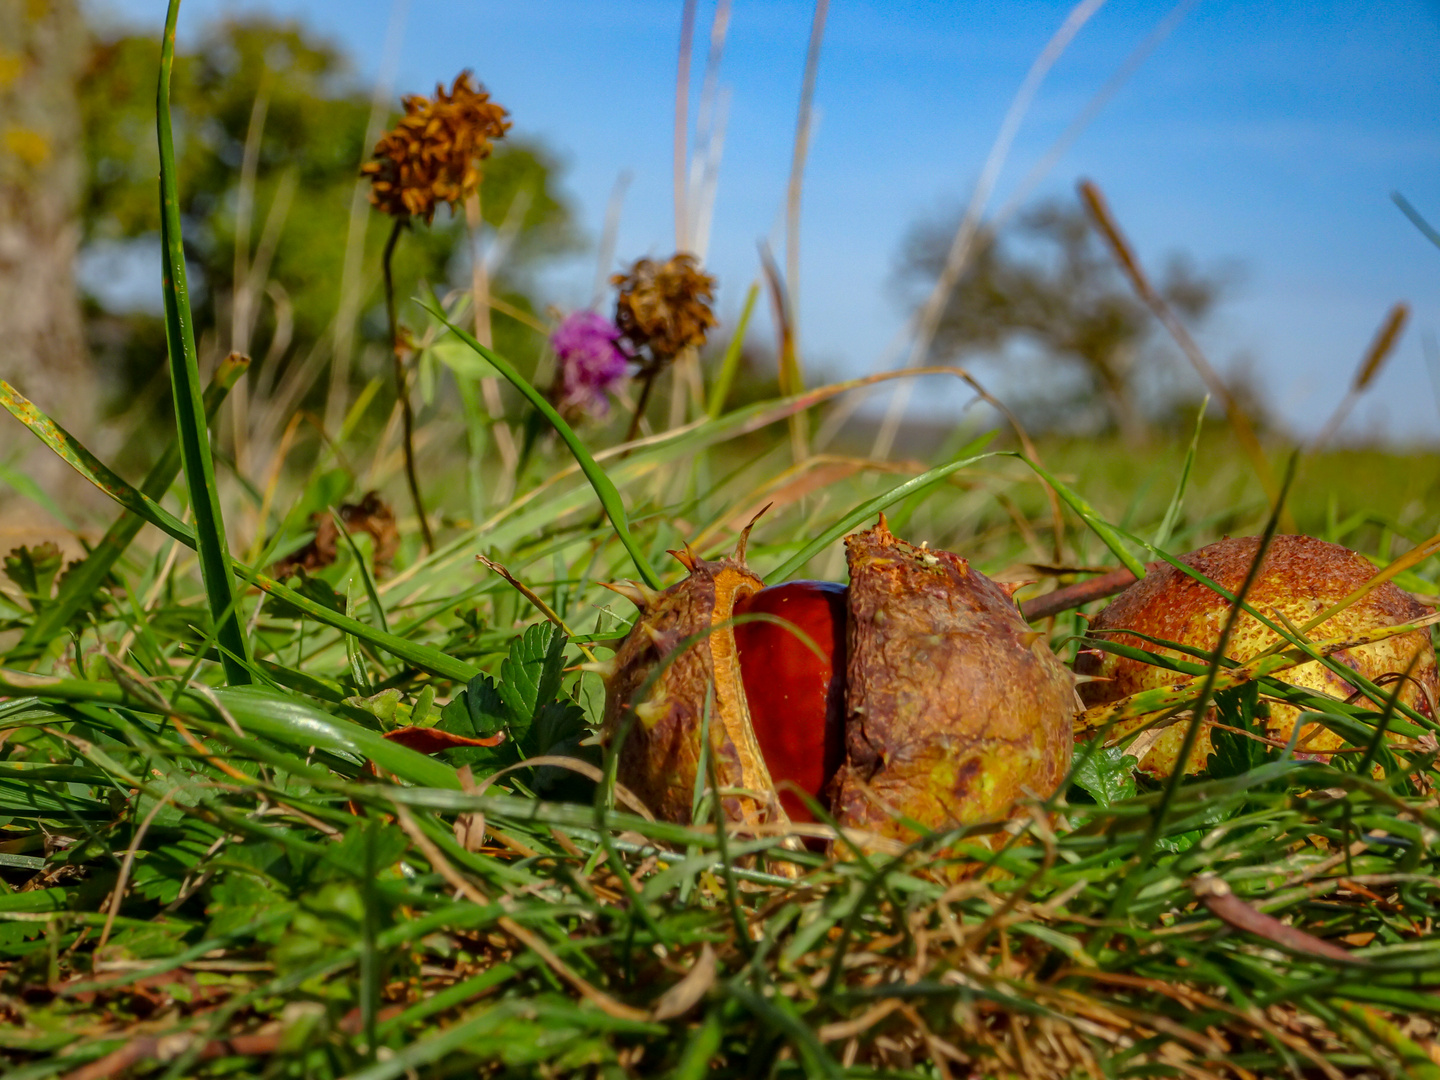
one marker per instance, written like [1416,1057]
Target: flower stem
[651,372]
[402,386]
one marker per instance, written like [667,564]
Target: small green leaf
[1107,774]
[530,675]
[1233,753]
[33,572]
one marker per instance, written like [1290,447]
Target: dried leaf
[686,994]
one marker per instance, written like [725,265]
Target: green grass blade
[73,452]
[277,717]
[80,584]
[870,507]
[1098,525]
[103,477]
[366,578]
[190,423]
[604,488]
[730,365]
[1172,512]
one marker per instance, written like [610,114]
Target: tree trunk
[42,338]
[42,343]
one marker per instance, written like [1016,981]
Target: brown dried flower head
[433,154]
[371,514]
[663,307]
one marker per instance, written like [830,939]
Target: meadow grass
[205,878]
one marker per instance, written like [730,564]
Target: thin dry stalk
[792,379]
[352,290]
[1163,29]
[928,320]
[682,123]
[609,235]
[122,881]
[243,297]
[709,136]
[489,385]
[1124,254]
[475,895]
[1381,346]
[803,126]
[536,601]
[402,387]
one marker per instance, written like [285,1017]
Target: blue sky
[1264,135]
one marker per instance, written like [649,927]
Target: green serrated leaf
[1106,774]
[530,675]
[559,730]
[1233,753]
[33,571]
[476,712]
[556,724]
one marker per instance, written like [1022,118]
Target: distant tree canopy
[1049,282]
[294,101]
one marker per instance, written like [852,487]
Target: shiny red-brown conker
[796,698]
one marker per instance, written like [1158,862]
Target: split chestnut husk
[955,707]
[918,695]
[1300,577]
[676,677]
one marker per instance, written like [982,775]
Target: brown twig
[1082,592]
[1215,894]
[163,1048]
[402,388]
[649,375]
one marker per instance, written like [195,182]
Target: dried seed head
[371,514]
[665,307]
[433,154]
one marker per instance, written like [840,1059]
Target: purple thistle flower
[591,362]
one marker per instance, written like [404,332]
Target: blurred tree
[42,345]
[271,131]
[1051,283]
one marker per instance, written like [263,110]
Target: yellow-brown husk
[1301,576]
[955,707]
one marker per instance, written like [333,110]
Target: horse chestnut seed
[796,695]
